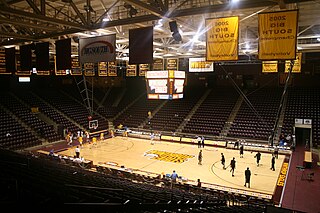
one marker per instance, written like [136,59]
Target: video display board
[165,84]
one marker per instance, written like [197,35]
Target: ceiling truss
[34,20]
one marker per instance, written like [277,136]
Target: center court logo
[168,156]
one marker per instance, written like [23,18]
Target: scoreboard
[165,84]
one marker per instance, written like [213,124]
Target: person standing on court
[223,161]
[77,150]
[87,137]
[152,138]
[273,161]
[202,141]
[80,140]
[200,158]
[199,141]
[233,166]
[236,145]
[276,152]
[247,175]
[199,183]
[258,157]
[174,176]
[241,151]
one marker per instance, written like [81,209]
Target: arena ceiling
[25,21]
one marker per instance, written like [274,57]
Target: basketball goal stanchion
[93,125]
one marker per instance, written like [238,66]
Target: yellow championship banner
[278,35]
[131,70]
[296,64]
[112,68]
[269,66]
[222,39]
[143,68]
[102,68]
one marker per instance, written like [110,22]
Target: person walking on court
[247,175]
[258,157]
[233,166]
[241,151]
[223,161]
[200,158]
[273,161]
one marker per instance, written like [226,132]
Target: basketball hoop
[93,124]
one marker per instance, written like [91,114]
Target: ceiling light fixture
[247,45]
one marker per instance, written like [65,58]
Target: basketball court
[139,155]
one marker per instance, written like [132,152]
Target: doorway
[303,136]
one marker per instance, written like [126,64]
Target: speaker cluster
[175,32]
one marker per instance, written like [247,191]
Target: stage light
[105,19]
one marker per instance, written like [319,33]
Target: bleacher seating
[44,181]
[173,113]
[46,109]
[71,108]
[67,108]
[137,113]
[24,113]
[303,103]
[248,124]
[108,110]
[210,117]
[13,135]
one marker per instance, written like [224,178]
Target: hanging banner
[89,69]
[158,64]
[200,65]
[102,68]
[75,66]
[172,64]
[222,39]
[95,49]
[61,72]
[278,35]
[41,72]
[143,68]
[131,70]
[112,68]
[56,71]
[296,64]
[3,69]
[269,66]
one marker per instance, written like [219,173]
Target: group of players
[232,164]
[82,137]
